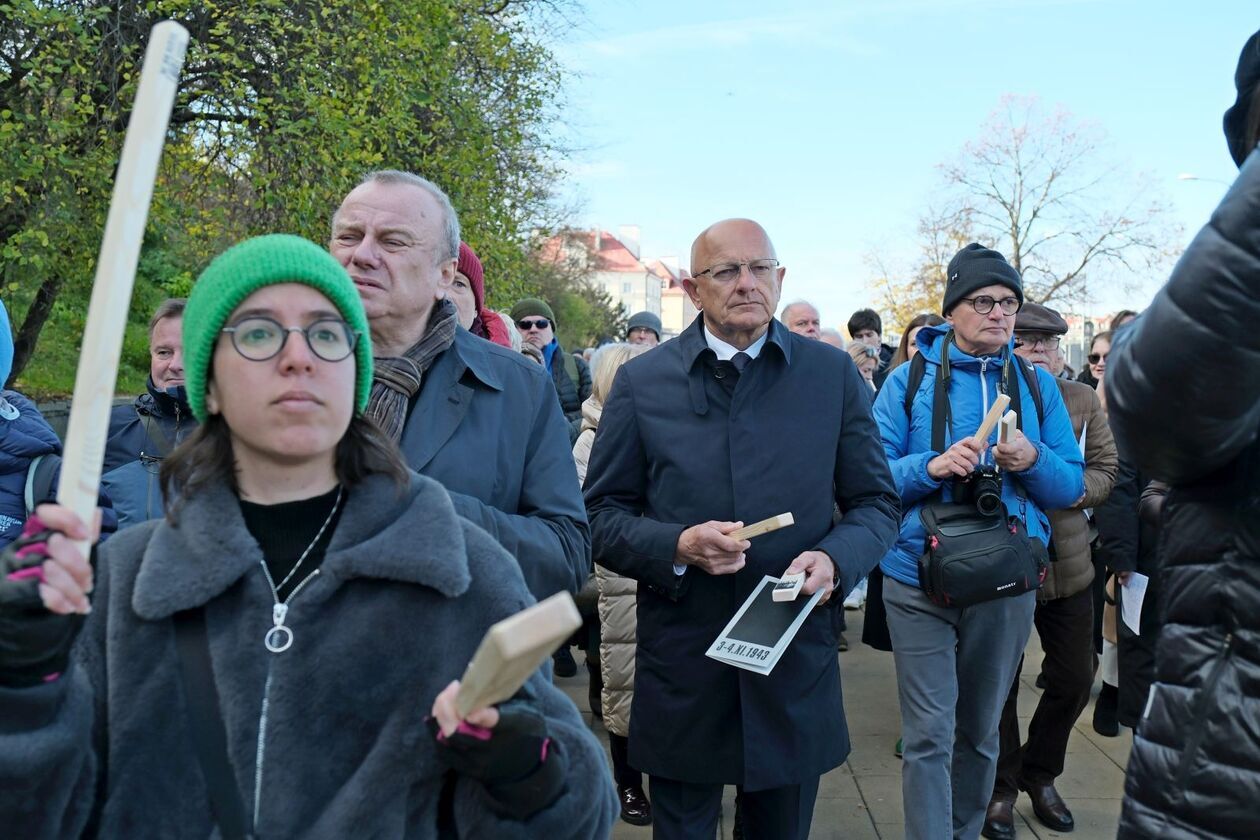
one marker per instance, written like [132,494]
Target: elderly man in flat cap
[1064,615]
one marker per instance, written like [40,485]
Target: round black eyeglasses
[259,338]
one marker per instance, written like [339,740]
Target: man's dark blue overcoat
[676,447]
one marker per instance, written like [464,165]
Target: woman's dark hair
[1105,335]
[205,457]
[1118,317]
[926,319]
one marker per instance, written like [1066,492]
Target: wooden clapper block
[513,649]
[990,419]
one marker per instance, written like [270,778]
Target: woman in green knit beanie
[280,655]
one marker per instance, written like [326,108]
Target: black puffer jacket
[1192,419]
[571,393]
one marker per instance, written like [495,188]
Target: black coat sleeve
[1117,521]
[1182,409]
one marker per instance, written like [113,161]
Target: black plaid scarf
[396,379]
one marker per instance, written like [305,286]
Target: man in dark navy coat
[478,418]
[735,421]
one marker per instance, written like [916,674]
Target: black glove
[34,642]
[516,760]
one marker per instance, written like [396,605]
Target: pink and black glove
[34,642]
[516,760]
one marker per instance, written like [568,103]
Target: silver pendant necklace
[279,637]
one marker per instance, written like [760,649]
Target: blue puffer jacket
[135,448]
[24,434]
[1056,480]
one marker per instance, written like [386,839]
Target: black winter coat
[679,445]
[572,394]
[1192,419]
[1129,542]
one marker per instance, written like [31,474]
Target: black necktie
[741,360]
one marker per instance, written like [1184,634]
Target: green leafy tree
[283,105]
[557,271]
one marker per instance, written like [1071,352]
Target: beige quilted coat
[617,600]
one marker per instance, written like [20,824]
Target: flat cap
[1034,317]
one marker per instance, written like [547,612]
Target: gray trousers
[954,669]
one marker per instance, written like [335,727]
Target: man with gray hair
[141,434]
[832,336]
[801,317]
[478,418]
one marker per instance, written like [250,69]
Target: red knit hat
[486,324]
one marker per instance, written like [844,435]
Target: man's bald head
[735,280]
[801,317]
[713,237]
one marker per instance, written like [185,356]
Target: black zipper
[1201,702]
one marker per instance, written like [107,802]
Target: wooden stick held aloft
[990,419]
[513,649]
[116,269]
[765,526]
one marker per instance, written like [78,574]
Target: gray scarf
[396,379]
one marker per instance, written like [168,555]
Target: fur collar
[411,537]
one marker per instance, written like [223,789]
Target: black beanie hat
[1246,77]
[975,267]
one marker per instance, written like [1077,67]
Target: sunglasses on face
[526,324]
[1095,358]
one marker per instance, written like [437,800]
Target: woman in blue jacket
[955,665]
[24,436]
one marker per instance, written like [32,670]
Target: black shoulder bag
[206,724]
[971,556]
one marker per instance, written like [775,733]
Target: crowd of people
[304,538]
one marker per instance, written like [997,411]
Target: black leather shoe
[1040,682]
[842,644]
[565,664]
[635,808]
[1105,710]
[1050,808]
[999,821]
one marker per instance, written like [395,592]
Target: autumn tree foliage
[283,105]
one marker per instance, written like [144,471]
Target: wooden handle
[1006,429]
[765,526]
[116,270]
[990,419]
[513,649]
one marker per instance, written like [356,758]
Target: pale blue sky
[825,121]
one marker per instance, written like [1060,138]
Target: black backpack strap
[39,480]
[1034,387]
[206,724]
[918,366]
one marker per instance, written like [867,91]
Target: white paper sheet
[1131,601]
[757,643]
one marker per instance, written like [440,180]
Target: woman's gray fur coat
[404,595]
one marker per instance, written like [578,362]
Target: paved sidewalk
[862,798]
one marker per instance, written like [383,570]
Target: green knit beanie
[244,269]
[533,306]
